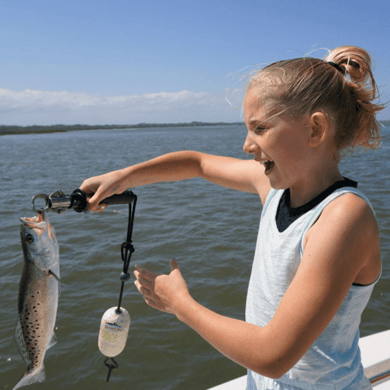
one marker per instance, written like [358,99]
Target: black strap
[127,250]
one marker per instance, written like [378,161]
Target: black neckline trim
[286,215]
[319,198]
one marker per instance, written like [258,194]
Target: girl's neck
[313,184]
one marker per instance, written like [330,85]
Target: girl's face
[277,141]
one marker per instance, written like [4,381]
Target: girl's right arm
[242,175]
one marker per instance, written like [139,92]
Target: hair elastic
[337,66]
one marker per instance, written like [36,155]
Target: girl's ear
[320,129]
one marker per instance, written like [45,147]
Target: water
[210,230]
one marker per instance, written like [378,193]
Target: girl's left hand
[163,292]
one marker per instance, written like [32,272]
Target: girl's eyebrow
[253,122]
[268,120]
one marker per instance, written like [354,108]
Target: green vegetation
[7,130]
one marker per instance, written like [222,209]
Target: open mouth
[268,166]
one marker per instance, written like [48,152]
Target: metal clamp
[47,201]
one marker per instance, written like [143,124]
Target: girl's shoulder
[350,205]
[347,213]
[353,220]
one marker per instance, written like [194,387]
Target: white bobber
[114,328]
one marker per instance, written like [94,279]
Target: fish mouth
[36,222]
[36,225]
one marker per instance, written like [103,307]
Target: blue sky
[120,62]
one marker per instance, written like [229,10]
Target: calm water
[209,229]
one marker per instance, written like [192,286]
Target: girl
[317,256]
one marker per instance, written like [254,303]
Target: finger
[145,273]
[150,302]
[144,282]
[143,290]
[87,188]
[100,207]
[174,264]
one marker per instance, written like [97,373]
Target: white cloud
[30,107]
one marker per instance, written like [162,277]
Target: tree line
[9,129]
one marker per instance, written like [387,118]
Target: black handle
[126,197]
[79,199]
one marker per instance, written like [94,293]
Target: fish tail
[31,377]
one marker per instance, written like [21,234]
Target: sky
[128,62]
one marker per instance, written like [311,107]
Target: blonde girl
[317,256]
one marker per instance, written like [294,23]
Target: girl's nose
[250,146]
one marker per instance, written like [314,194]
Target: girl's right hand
[100,187]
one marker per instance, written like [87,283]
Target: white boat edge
[375,351]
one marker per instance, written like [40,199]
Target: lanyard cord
[127,250]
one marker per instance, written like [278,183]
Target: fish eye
[29,238]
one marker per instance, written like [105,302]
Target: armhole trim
[270,195]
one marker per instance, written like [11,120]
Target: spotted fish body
[38,296]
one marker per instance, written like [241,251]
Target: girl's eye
[259,130]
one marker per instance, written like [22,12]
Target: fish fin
[20,343]
[53,341]
[31,377]
[50,272]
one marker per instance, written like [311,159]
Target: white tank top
[333,362]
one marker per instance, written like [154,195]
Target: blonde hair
[343,86]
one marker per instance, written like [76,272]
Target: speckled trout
[38,296]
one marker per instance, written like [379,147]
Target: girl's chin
[277,184]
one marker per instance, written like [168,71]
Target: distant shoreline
[36,129]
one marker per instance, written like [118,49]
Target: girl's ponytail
[355,63]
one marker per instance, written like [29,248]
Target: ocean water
[209,229]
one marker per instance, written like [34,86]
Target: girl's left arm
[343,241]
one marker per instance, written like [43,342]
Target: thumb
[174,264]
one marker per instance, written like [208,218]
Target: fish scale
[38,296]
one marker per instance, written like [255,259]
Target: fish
[39,291]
